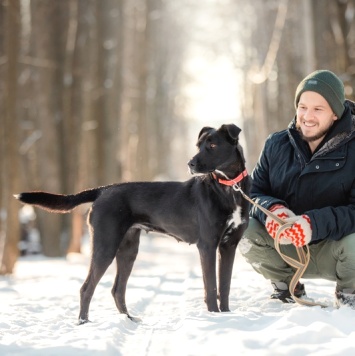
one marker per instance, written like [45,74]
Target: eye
[213,145]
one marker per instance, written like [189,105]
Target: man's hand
[300,233]
[272,226]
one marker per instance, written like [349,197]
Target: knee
[254,237]
[256,233]
[348,242]
[346,248]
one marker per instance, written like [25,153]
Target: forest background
[94,92]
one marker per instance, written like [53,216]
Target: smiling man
[307,173]
[315,117]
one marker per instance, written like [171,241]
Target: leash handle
[303,254]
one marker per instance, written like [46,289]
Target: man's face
[314,117]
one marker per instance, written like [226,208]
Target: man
[307,173]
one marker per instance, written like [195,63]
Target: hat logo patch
[312,81]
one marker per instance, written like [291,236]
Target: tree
[9,184]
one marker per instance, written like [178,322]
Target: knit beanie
[327,84]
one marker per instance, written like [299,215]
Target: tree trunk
[50,148]
[10,175]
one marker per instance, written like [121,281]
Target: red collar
[231,181]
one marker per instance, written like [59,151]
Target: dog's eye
[213,145]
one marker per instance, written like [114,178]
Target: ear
[204,130]
[232,131]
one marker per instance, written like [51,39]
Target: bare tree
[9,227]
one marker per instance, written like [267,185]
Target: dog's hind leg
[125,257]
[106,238]
[88,288]
[96,271]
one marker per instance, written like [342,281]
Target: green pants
[331,260]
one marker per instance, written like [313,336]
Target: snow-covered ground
[39,306]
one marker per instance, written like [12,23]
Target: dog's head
[218,151]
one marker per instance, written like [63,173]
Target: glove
[300,233]
[272,226]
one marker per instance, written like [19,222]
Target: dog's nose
[191,164]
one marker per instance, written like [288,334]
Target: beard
[315,137]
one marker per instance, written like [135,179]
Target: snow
[39,306]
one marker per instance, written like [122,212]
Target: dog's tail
[58,203]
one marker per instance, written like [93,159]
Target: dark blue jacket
[321,185]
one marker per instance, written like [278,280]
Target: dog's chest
[236,218]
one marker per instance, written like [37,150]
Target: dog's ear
[231,130]
[205,130]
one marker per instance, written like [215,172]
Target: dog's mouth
[195,172]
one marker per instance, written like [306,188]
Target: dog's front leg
[208,264]
[226,254]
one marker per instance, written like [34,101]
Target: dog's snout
[191,163]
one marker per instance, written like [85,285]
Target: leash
[303,254]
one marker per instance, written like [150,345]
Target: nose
[191,163]
[307,114]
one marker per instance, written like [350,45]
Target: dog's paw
[83,321]
[134,318]
[225,310]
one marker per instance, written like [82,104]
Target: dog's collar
[231,182]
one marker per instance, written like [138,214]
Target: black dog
[204,210]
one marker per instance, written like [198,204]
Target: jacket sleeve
[333,222]
[261,191]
